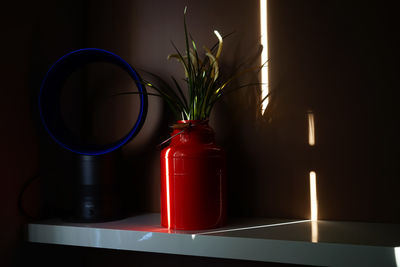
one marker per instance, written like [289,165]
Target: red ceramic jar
[193,184]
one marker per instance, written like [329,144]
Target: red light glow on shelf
[167,185]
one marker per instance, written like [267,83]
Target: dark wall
[33,35]
[339,61]
[336,59]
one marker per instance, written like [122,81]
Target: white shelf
[325,243]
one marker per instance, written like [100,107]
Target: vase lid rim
[192,121]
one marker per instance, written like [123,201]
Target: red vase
[193,194]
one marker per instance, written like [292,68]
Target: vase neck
[192,131]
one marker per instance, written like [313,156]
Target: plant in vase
[193,179]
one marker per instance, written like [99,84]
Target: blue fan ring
[50,93]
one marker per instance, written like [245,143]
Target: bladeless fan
[94,175]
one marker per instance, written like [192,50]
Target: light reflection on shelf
[146,236]
[247,228]
[314,231]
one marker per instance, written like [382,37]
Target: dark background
[335,58]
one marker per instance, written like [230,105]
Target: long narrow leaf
[167,88]
[180,91]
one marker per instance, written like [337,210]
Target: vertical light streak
[167,186]
[313,182]
[264,54]
[311,129]
[397,255]
[314,231]
[313,196]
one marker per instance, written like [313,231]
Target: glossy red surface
[193,183]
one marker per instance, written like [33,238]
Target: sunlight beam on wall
[264,54]
[311,128]
[313,196]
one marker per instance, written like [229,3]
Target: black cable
[25,186]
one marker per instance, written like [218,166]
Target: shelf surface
[321,243]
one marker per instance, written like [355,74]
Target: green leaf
[180,92]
